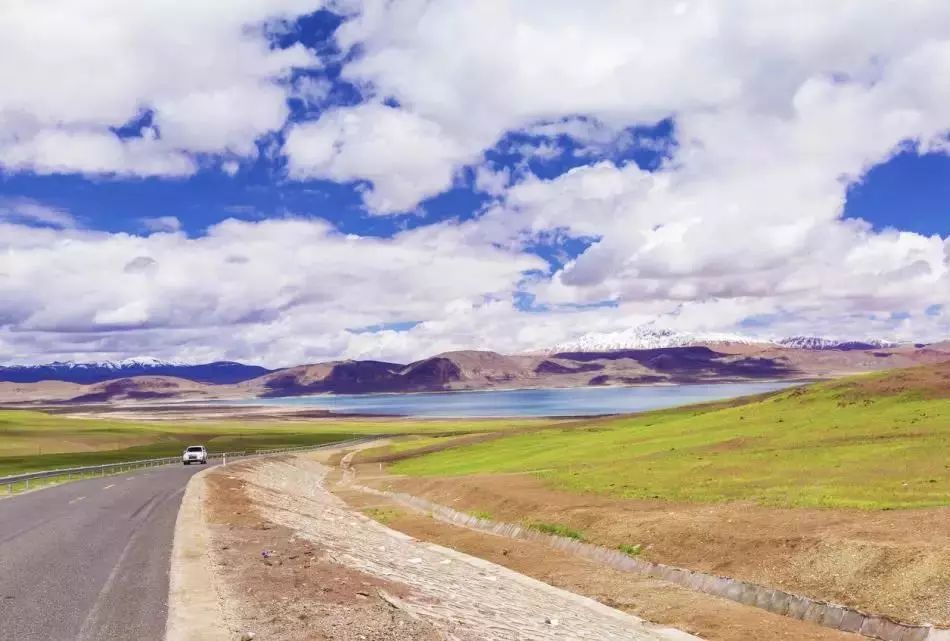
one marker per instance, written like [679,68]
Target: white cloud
[777,108]
[558,68]
[167,224]
[407,158]
[312,91]
[492,181]
[231,167]
[24,210]
[279,291]
[72,70]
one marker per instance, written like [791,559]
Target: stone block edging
[776,601]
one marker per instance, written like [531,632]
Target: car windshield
[195,448]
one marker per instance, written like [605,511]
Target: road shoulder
[194,608]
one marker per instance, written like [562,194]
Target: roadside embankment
[779,602]
[895,563]
[295,562]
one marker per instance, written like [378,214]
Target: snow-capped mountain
[221,372]
[647,337]
[818,343]
[651,337]
[125,363]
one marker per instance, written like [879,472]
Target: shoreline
[791,382]
[309,407]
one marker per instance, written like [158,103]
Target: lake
[583,401]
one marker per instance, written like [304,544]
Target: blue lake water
[587,401]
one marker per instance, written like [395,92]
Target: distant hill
[137,388]
[472,369]
[450,370]
[716,362]
[217,373]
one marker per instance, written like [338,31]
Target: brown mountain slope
[832,363]
[472,369]
[138,388]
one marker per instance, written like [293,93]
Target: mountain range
[649,337]
[217,373]
[229,372]
[641,359]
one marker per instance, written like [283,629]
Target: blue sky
[262,189]
[401,187]
[909,192]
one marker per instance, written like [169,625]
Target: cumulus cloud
[209,79]
[776,108]
[405,157]
[724,63]
[295,293]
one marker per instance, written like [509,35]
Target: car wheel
[184,462]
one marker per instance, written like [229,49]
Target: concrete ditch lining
[830,615]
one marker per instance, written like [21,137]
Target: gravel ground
[437,589]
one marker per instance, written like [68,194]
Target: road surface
[89,560]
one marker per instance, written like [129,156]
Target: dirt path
[437,590]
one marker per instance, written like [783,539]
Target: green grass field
[405,445]
[867,442]
[31,440]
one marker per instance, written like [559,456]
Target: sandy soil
[894,563]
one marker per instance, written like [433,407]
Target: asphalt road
[89,560]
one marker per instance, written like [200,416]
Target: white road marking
[130,478]
[77,499]
[108,486]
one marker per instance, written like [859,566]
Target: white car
[195,454]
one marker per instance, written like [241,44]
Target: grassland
[31,440]
[408,446]
[874,442]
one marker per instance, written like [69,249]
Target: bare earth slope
[337,558]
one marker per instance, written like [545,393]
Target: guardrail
[23,481]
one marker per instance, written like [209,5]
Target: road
[89,560]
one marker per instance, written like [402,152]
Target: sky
[290,181]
